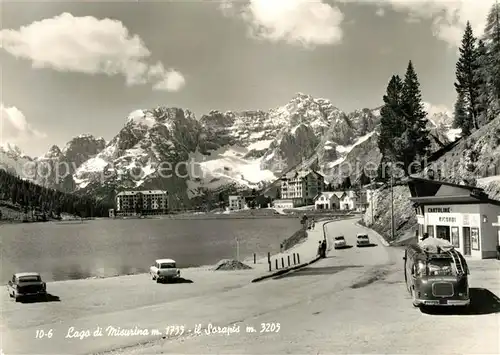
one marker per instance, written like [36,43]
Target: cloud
[432,109]
[449,17]
[85,45]
[170,80]
[297,22]
[14,127]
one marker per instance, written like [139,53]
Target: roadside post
[237,249]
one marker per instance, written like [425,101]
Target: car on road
[164,270]
[362,240]
[26,284]
[339,242]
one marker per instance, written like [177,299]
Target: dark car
[438,278]
[26,284]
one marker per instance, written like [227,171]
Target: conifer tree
[467,84]
[414,143]
[391,119]
[461,119]
[484,92]
[492,40]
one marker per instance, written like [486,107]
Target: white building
[236,202]
[284,204]
[353,201]
[145,202]
[328,200]
[460,214]
[302,186]
[497,224]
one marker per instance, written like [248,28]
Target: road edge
[296,267]
[285,271]
[380,237]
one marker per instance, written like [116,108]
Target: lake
[102,248]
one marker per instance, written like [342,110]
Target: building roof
[284,200]
[161,261]
[439,182]
[300,174]
[143,192]
[426,191]
[329,194]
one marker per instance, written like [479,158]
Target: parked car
[164,269]
[339,242]
[26,284]
[362,240]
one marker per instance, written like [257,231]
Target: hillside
[474,160]
[24,200]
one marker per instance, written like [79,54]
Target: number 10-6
[40,333]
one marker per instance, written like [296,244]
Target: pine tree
[461,119]
[492,41]
[414,143]
[467,84]
[484,92]
[391,124]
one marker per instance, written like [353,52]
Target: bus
[436,274]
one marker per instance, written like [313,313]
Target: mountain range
[169,148]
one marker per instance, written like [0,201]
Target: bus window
[440,267]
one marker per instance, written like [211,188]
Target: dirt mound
[231,264]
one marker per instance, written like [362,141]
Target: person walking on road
[323,249]
[320,249]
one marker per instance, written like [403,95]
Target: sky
[73,67]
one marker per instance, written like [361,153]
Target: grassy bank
[296,238]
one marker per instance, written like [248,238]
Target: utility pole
[371,200]
[392,204]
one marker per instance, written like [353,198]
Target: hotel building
[144,202]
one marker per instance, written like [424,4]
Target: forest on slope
[24,200]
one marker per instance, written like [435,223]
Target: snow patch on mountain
[344,150]
[228,165]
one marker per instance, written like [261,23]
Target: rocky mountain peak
[11,149]
[53,153]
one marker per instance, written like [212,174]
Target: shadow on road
[482,301]
[344,247]
[311,271]
[177,280]
[39,299]
[367,245]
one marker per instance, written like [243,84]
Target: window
[430,231]
[167,266]
[440,267]
[455,240]
[474,236]
[29,278]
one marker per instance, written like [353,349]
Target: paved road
[354,301]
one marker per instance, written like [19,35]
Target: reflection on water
[104,248]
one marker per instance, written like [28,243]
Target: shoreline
[261,262]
